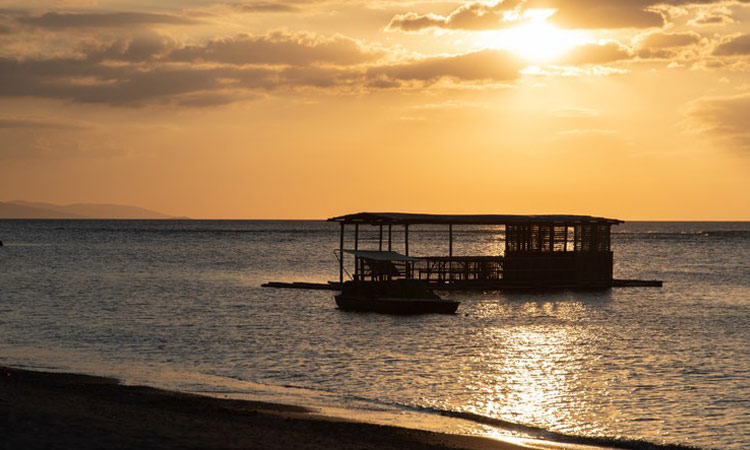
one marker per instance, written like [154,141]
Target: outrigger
[539,251]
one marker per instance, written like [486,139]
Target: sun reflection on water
[530,370]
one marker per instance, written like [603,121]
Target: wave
[545,434]
[531,431]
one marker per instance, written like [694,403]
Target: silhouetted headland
[32,210]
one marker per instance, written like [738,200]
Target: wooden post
[380,240]
[450,240]
[565,245]
[356,247]
[390,238]
[341,255]
[450,251]
[406,239]
[552,238]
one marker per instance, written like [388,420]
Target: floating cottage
[540,251]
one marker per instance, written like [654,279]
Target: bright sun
[534,40]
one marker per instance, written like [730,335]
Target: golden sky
[634,109]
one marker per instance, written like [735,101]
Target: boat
[403,297]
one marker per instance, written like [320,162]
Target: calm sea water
[178,304]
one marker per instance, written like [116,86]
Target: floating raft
[334,286]
[303,285]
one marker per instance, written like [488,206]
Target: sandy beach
[59,410]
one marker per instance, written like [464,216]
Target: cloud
[16,123]
[470,16]
[736,46]
[153,69]
[486,65]
[577,14]
[277,48]
[663,45]
[590,14]
[595,54]
[61,20]
[143,46]
[724,119]
[262,7]
[661,39]
[713,16]
[600,14]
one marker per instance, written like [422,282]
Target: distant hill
[31,210]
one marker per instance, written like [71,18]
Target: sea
[179,305]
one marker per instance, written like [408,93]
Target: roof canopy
[387,218]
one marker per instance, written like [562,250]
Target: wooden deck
[496,285]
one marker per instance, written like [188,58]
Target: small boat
[393,297]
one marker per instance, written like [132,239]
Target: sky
[638,109]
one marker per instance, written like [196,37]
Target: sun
[534,40]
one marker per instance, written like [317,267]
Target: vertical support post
[450,251]
[565,245]
[341,254]
[380,240]
[390,238]
[406,239]
[357,260]
[552,238]
[450,240]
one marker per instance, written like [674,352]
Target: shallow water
[178,304]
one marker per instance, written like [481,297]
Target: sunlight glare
[534,39]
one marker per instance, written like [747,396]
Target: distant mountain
[31,210]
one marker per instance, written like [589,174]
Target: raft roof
[391,218]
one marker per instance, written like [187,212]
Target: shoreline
[64,410]
[68,410]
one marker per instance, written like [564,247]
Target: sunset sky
[633,109]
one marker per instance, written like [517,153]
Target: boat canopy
[380,255]
[390,218]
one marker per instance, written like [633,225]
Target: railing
[443,269]
[518,268]
[433,269]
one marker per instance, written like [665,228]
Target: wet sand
[66,411]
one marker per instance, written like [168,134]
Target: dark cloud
[102,20]
[487,65]
[725,119]
[141,47]
[277,48]
[737,46]
[656,53]
[669,40]
[661,45]
[580,14]
[471,16]
[89,79]
[595,54]
[592,14]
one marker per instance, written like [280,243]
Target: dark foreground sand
[66,411]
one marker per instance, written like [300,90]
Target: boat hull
[401,306]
